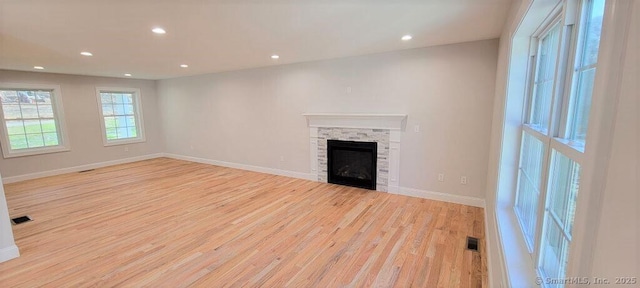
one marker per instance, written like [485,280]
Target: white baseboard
[495,277]
[465,200]
[287,173]
[36,175]
[9,253]
[393,189]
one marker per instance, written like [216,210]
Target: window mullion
[560,106]
[571,81]
[534,80]
[528,178]
[535,133]
[587,67]
[568,150]
[530,89]
[559,223]
[542,203]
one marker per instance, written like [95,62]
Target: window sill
[123,141]
[518,261]
[34,151]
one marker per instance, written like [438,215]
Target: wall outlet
[441,177]
[191,147]
[348,89]
[463,180]
[281,158]
[416,128]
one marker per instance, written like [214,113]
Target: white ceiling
[213,36]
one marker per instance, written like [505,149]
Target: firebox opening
[352,163]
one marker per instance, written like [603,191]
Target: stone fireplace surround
[385,129]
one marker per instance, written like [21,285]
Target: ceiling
[214,36]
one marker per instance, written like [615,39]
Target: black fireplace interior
[352,163]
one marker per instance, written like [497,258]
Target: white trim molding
[137,110]
[412,192]
[394,123]
[8,253]
[286,173]
[394,161]
[48,173]
[58,117]
[438,196]
[357,121]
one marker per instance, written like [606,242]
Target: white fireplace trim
[395,123]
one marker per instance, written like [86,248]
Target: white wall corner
[8,253]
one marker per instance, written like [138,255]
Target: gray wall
[83,123]
[254,117]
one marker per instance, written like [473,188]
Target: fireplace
[352,163]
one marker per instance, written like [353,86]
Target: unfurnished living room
[320,143]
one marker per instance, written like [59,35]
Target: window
[32,120]
[121,115]
[529,186]
[584,72]
[544,79]
[563,191]
[532,150]
[563,68]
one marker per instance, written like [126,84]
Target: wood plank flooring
[170,223]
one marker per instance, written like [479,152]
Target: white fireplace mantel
[396,122]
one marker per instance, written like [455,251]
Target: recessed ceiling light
[407,37]
[275,56]
[38,67]
[158,30]
[127,74]
[184,65]
[85,53]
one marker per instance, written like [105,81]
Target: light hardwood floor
[170,223]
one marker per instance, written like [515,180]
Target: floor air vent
[83,171]
[472,243]
[20,220]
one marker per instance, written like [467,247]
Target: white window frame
[137,108]
[58,115]
[544,135]
[554,139]
[519,269]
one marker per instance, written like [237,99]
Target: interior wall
[254,117]
[497,273]
[8,248]
[83,123]
[617,253]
